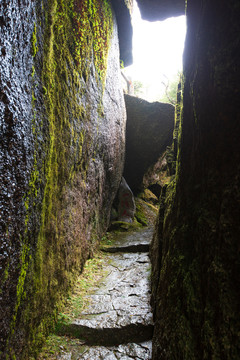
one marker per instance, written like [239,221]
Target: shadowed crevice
[109,336]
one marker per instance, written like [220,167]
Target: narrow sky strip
[157,52]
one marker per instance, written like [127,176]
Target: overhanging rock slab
[153,10]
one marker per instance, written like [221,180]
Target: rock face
[196,244]
[148,132]
[62,119]
[153,10]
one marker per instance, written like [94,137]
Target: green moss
[92,24]
[140,216]
[57,345]
[74,35]
[34,49]
[6,273]
[183,287]
[119,226]
[33,71]
[106,239]
[25,257]
[145,211]
[148,197]
[94,271]
[44,91]
[20,291]
[4,278]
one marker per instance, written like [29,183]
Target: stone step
[130,248]
[130,351]
[117,323]
[138,241]
[119,310]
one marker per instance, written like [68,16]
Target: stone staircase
[117,324]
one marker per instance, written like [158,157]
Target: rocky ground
[117,323]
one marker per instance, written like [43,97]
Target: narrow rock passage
[118,322]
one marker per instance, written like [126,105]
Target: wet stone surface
[137,241]
[142,351]
[118,324]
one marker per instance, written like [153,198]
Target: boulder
[149,131]
[157,175]
[126,204]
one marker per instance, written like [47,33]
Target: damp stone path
[117,324]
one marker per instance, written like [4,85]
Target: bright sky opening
[157,52]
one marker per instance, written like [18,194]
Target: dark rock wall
[154,10]
[17,149]
[62,119]
[149,131]
[196,296]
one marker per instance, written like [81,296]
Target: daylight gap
[157,58]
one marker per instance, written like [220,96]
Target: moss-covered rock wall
[62,118]
[197,290]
